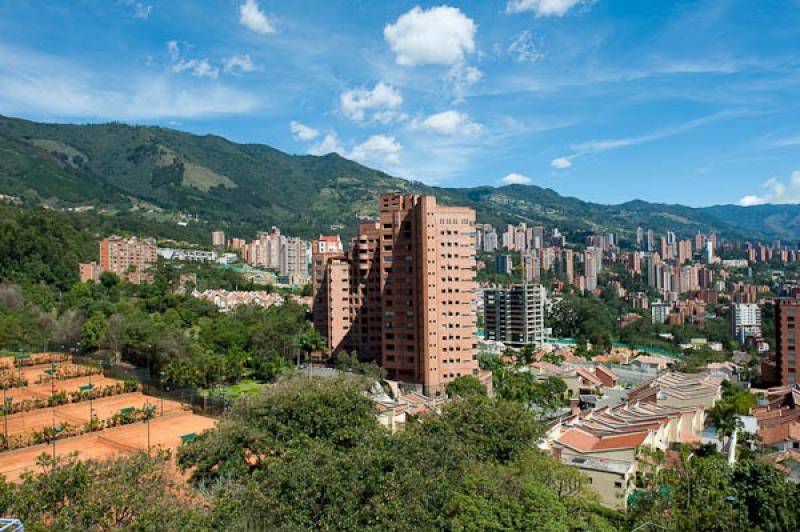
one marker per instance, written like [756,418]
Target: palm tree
[310,341]
[724,417]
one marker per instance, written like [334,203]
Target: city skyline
[684,102]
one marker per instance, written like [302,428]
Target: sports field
[32,373]
[164,432]
[172,420]
[78,413]
[44,390]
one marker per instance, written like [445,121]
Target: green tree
[131,493]
[93,331]
[464,386]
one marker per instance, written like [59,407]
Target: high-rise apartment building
[651,240]
[218,239]
[532,266]
[404,293]
[289,256]
[659,311]
[293,256]
[787,357]
[538,237]
[490,241]
[330,283]
[684,251]
[514,315]
[504,264]
[745,321]
[709,254]
[128,258]
[568,265]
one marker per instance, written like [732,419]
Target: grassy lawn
[245,387]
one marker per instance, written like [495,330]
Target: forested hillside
[162,174]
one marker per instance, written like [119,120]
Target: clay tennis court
[7,362]
[78,413]
[166,432]
[44,390]
[32,373]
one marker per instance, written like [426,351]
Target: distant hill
[163,174]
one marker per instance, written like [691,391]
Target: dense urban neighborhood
[377,266]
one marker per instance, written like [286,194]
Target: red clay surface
[78,413]
[44,390]
[32,373]
[165,432]
[8,362]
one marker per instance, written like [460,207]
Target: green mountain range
[168,175]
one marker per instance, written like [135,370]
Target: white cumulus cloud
[329,144]
[200,68]
[197,67]
[440,35]
[450,123]
[382,101]
[252,18]
[776,191]
[542,8]
[302,131]
[379,149]
[238,64]
[515,179]
[561,163]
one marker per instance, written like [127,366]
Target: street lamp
[89,388]
[6,404]
[161,389]
[56,431]
[52,373]
[148,414]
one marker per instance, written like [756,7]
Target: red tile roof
[583,441]
[607,371]
[585,374]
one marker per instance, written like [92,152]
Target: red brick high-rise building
[782,367]
[404,294]
[129,258]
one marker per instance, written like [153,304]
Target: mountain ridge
[161,172]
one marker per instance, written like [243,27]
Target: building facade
[786,357]
[218,239]
[404,293]
[745,321]
[514,315]
[129,258]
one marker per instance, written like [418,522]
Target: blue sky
[692,102]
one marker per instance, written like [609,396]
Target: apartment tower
[129,258]
[514,315]
[404,293]
[786,356]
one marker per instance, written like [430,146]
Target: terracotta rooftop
[584,441]
[606,371]
[587,375]
[681,385]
